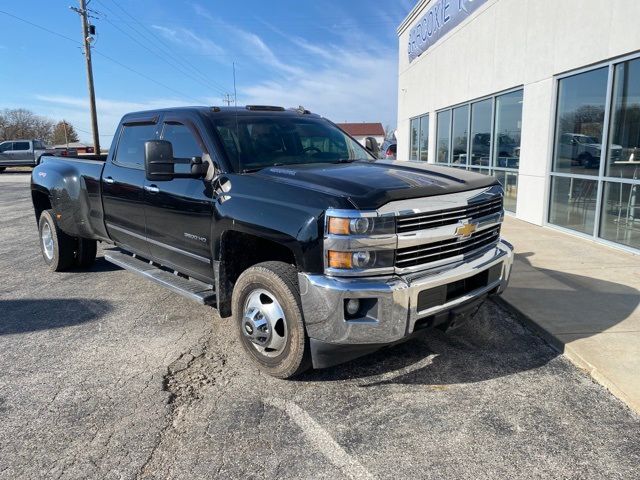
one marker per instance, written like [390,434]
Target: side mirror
[371,144]
[158,160]
[198,167]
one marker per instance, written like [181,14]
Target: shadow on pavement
[489,345]
[101,265]
[568,304]
[30,315]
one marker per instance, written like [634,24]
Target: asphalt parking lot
[103,375]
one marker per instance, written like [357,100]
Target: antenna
[235,93]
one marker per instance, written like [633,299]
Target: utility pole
[86,40]
[66,137]
[227,99]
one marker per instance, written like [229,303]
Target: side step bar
[187,287]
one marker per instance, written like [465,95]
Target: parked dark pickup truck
[320,252]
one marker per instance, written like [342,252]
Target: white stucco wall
[507,44]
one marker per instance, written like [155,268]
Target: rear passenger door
[123,182]
[21,153]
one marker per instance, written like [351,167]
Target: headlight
[359,243]
[360,260]
[360,225]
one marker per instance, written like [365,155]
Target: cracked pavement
[104,375]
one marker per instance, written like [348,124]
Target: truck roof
[239,110]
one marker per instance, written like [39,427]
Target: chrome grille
[451,216]
[433,252]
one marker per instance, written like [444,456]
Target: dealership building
[543,94]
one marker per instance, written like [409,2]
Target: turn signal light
[340,259]
[339,226]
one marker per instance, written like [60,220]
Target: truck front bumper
[393,308]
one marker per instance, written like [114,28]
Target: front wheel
[267,312]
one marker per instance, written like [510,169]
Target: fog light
[353,305]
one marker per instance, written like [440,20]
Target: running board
[187,287]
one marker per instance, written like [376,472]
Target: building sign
[441,18]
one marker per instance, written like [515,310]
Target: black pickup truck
[319,251]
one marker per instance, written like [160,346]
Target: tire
[266,305]
[86,252]
[2,169]
[57,247]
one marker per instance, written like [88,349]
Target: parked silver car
[388,150]
[18,153]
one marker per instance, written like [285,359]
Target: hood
[369,185]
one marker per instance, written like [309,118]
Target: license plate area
[437,296]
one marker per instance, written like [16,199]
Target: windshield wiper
[254,169]
[349,160]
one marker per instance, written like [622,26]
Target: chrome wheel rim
[263,323]
[47,241]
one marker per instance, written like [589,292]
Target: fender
[260,207]
[73,189]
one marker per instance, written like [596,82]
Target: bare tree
[20,123]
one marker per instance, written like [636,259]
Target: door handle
[109,180]
[151,189]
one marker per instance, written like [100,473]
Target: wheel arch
[239,251]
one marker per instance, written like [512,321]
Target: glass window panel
[460,134]
[508,130]
[579,122]
[624,133]
[413,139]
[184,143]
[481,132]
[443,140]
[509,181]
[620,220]
[573,203]
[424,138]
[130,151]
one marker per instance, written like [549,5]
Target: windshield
[255,142]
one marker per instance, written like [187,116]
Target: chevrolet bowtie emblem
[465,230]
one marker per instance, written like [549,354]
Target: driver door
[179,212]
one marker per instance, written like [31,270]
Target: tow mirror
[371,144]
[158,160]
[198,167]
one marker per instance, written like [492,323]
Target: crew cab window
[185,145]
[5,147]
[130,151]
[20,146]
[38,145]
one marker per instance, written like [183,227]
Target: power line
[124,32]
[107,57]
[156,38]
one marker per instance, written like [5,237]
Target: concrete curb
[569,353]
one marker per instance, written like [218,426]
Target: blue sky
[335,57]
